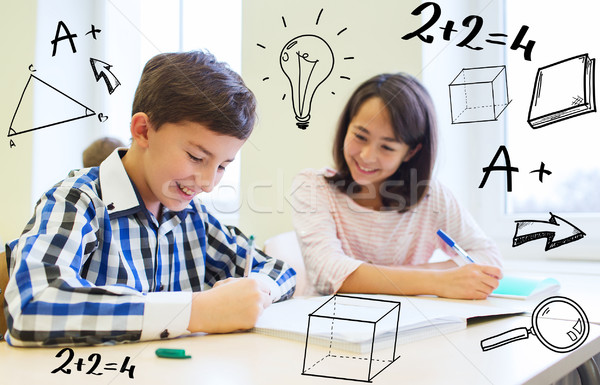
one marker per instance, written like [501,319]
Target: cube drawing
[351,338]
[478,94]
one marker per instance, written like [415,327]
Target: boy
[121,252]
[98,150]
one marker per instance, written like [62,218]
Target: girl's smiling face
[371,149]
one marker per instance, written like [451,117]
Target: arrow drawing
[102,70]
[557,232]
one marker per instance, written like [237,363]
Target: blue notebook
[525,288]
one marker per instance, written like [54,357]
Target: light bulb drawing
[307,61]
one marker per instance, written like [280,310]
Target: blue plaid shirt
[93,265]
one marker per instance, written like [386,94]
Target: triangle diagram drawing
[58,108]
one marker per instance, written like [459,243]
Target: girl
[370,226]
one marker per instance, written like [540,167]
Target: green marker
[171,353]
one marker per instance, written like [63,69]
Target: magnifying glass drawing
[561,337]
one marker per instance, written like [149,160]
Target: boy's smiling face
[179,161]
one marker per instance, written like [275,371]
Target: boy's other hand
[232,304]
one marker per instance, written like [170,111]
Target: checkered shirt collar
[118,192]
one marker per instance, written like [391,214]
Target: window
[567,148]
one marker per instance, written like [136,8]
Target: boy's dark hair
[413,120]
[195,87]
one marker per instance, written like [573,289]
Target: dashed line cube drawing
[351,338]
[478,94]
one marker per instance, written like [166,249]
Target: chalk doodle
[556,230]
[509,169]
[69,36]
[559,323]
[478,94]
[66,109]
[94,360]
[374,321]
[307,61]
[448,29]
[102,71]
[93,31]
[563,90]
[100,68]
[541,172]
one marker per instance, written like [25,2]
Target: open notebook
[352,327]
[525,288]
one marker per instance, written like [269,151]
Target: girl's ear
[140,125]
[412,152]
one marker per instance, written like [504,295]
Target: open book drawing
[563,90]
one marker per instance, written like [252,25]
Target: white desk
[580,281]
[247,358]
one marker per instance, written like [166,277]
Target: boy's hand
[232,304]
[470,281]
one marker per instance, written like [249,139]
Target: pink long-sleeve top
[336,234]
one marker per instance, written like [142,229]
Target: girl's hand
[470,281]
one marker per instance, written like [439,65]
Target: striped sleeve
[327,265]
[462,227]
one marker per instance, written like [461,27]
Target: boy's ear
[412,152]
[140,125]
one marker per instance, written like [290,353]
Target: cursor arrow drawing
[102,70]
[557,232]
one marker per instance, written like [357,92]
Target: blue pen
[456,247]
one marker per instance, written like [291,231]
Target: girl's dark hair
[195,87]
[413,120]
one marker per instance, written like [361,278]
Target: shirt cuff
[166,314]
[350,265]
[273,286]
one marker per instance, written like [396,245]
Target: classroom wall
[366,38]
[277,149]
[38,159]
[18,50]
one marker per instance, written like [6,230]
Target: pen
[249,258]
[456,247]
